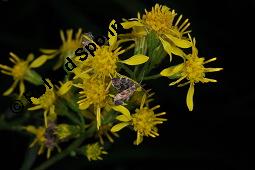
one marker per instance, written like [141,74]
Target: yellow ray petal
[143,101]
[112,38]
[179,42]
[171,70]
[35,100]
[10,90]
[136,60]
[69,34]
[171,48]
[6,72]
[139,139]
[35,107]
[213,69]
[21,88]
[189,99]
[5,67]
[177,81]
[65,88]
[210,60]
[39,61]
[122,110]
[123,118]
[78,34]
[45,118]
[98,118]
[30,57]
[84,105]
[130,24]
[62,36]
[31,129]
[14,56]
[48,51]
[206,80]
[119,126]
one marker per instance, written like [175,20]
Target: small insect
[125,88]
[85,41]
[50,135]
[99,40]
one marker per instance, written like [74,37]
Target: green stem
[67,151]
[82,121]
[63,110]
[135,72]
[130,72]
[152,77]
[10,127]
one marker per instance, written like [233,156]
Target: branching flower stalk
[103,92]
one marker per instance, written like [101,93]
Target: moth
[125,89]
[85,41]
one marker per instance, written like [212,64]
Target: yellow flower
[94,152]
[104,62]
[105,130]
[144,120]
[193,70]
[161,20]
[64,131]
[22,71]
[94,92]
[46,102]
[44,138]
[67,49]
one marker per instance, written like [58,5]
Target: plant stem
[67,151]
[152,77]
[130,72]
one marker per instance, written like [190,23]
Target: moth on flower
[125,89]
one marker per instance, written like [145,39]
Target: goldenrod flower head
[21,71]
[68,47]
[144,120]
[64,87]
[70,44]
[193,70]
[94,91]
[39,132]
[104,62]
[44,137]
[105,130]
[94,152]
[161,20]
[46,102]
[64,131]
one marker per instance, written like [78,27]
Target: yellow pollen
[144,121]
[194,69]
[104,61]
[20,69]
[95,91]
[159,19]
[47,99]
[94,152]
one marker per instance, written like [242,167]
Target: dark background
[219,133]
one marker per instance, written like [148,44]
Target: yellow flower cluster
[175,38]
[103,93]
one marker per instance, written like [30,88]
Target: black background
[219,133]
